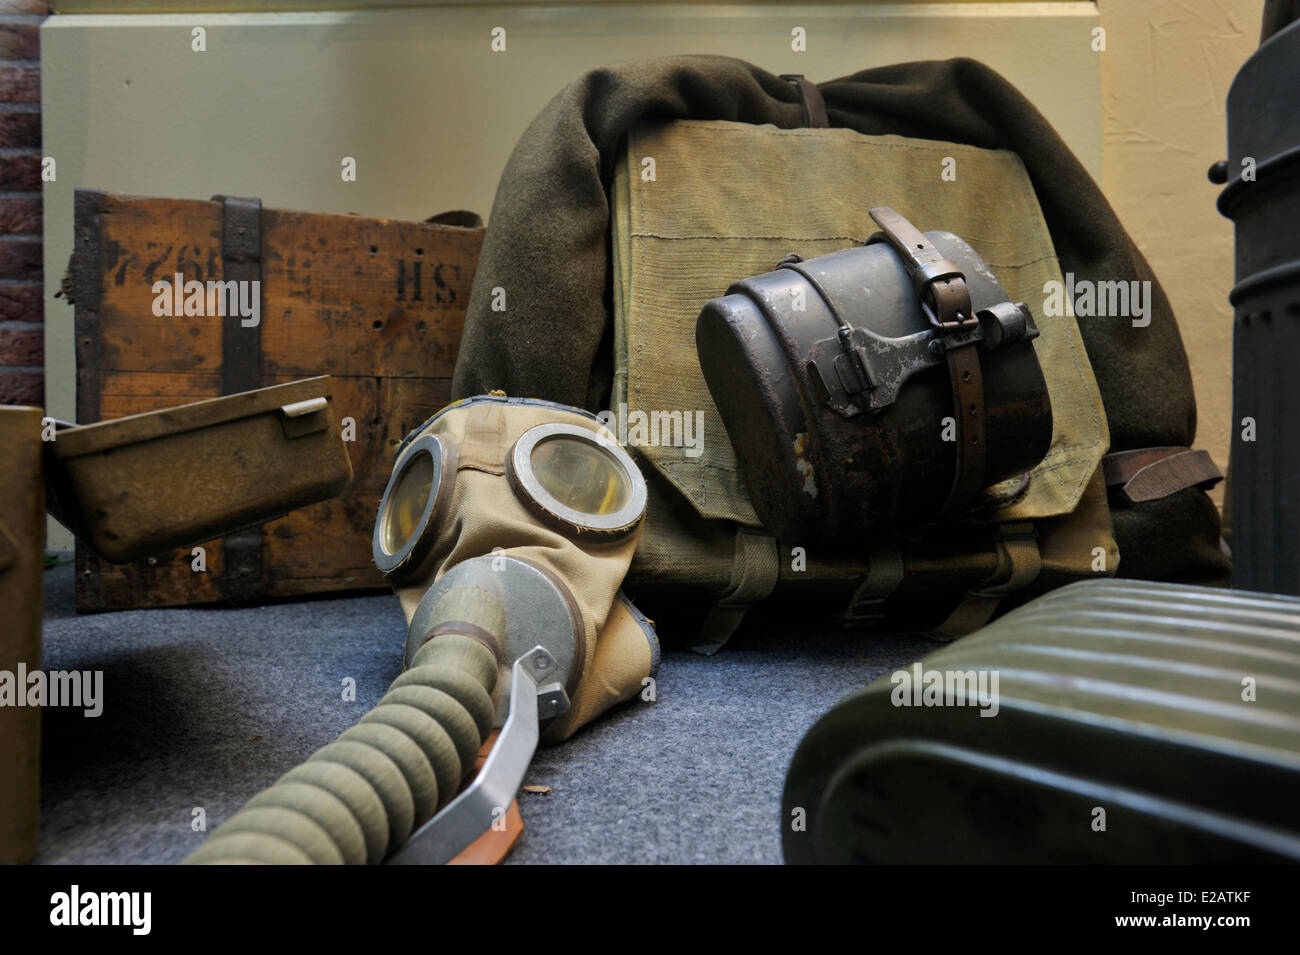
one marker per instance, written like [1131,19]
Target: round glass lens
[406,502]
[580,475]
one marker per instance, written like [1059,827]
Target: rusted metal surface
[834,385]
[173,478]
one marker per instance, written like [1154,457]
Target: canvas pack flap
[697,205]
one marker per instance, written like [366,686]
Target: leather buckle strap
[945,299]
[810,97]
[968,405]
[1148,474]
[940,285]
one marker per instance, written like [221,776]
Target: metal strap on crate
[241,370]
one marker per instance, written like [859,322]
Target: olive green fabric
[727,200]
[547,253]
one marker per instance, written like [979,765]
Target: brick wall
[22,375]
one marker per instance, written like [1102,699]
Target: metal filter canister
[825,464]
[1262,197]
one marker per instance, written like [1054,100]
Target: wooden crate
[22,531]
[378,304]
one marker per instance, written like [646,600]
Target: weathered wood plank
[396,289]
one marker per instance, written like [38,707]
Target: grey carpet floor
[204,707]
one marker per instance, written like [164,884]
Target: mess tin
[875,389]
[150,482]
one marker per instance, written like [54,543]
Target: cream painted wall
[1165,77]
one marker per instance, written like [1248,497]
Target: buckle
[940,285]
[963,321]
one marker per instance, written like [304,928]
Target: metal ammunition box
[165,479]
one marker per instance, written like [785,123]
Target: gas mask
[536,504]
[506,529]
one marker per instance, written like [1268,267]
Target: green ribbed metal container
[1132,723]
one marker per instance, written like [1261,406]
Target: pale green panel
[429,111]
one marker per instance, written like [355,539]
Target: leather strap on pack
[945,298]
[814,107]
[1148,474]
[755,570]
[1019,563]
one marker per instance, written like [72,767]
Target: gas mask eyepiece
[415,500]
[577,480]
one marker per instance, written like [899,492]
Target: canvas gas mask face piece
[531,502]
[511,523]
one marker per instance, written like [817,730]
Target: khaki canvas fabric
[548,248]
[728,200]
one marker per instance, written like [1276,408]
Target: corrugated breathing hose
[359,798]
